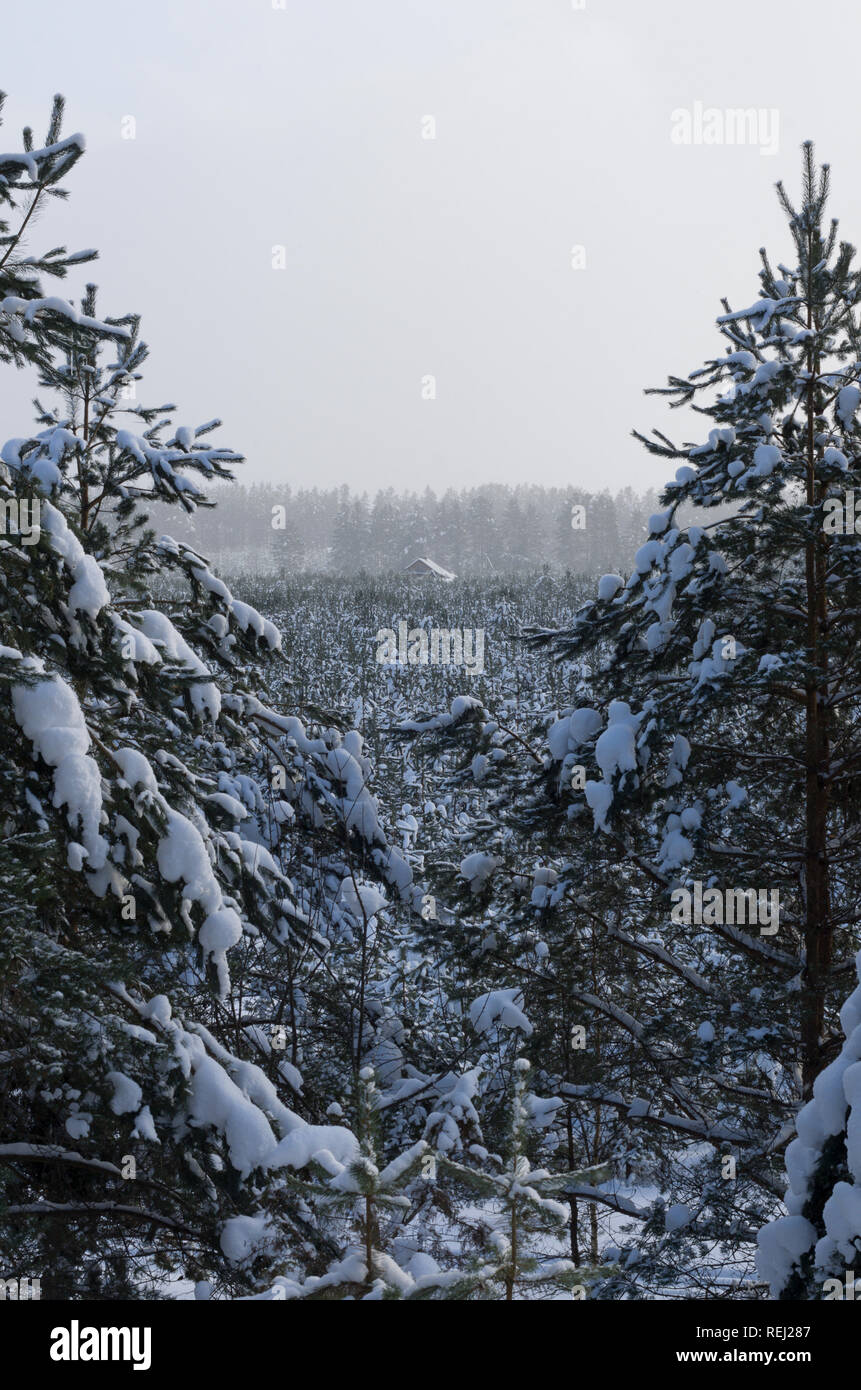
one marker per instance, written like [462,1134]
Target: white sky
[302,126]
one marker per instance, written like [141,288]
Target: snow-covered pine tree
[521,1216]
[731,651]
[814,1252]
[30,320]
[532,930]
[360,1205]
[153,804]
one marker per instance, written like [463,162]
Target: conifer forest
[430,826]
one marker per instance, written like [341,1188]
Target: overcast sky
[407,257]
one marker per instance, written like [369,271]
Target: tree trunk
[818,927]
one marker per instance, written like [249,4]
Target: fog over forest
[480,530]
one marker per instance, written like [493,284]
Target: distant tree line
[470,531]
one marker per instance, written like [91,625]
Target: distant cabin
[423,566]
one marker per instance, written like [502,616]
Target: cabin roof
[423,565]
